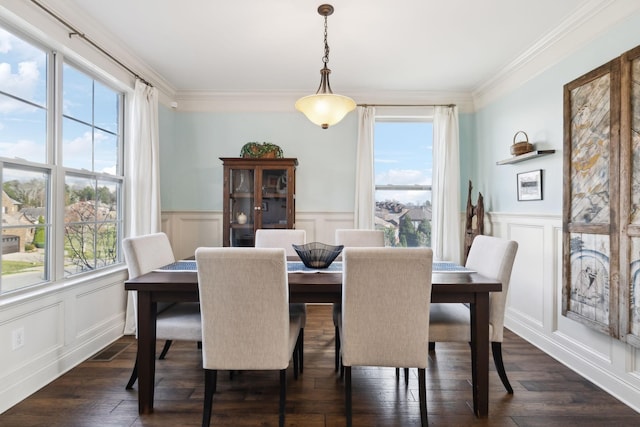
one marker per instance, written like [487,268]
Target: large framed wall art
[590,250]
[601,203]
[630,198]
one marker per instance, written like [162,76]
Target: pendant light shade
[325,108]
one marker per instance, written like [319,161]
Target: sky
[403,156]
[403,150]
[23,133]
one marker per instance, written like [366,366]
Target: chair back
[244,301]
[493,257]
[386,295]
[359,238]
[281,239]
[146,253]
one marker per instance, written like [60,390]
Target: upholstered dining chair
[353,238]
[175,321]
[492,257]
[246,325]
[285,238]
[386,294]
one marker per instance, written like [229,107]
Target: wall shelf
[526,156]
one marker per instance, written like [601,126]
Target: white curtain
[142,171]
[446,235]
[364,210]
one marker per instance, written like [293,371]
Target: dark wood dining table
[163,286]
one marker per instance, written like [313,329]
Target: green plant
[39,235]
[260,151]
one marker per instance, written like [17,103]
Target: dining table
[315,287]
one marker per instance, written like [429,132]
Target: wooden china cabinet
[258,193]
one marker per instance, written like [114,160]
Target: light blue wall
[537,108]
[191,144]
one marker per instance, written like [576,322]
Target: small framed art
[530,185]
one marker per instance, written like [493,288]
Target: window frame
[401,115]
[53,163]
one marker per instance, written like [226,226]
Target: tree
[408,234]
[424,232]
[39,236]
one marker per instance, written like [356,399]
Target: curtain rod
[75,32]
[406,105]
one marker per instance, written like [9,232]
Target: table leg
[146,351]
[480,353]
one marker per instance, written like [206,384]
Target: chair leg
[337,349]
[165,349]
[347,394]
[134,376]
[301,354]
[422,395]
[283,395]
[496,349]
[406,376]
[432,346]
[296,358]
[210,379]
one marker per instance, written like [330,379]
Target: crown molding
[284,101]
[96,32]
[591,20]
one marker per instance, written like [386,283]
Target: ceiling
[259,46]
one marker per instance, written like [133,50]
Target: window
[76,171]
[90,142]
[403,165]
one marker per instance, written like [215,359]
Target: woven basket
[522,147]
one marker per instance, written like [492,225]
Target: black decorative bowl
[317,255]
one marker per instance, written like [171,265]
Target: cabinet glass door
[241,209]
[274,204]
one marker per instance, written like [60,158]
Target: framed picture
[530,185]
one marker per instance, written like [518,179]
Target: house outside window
[61,168]
[403,167]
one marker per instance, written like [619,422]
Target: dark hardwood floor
[546,393]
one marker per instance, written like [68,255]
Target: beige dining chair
[175,321]
[285,238]
[352,238]
[383,325]
[246,325]
[492,257]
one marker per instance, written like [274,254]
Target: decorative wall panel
[601,206]
[591,165]
[630,198]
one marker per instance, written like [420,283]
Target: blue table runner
[335,267]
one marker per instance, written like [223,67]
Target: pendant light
[325,108]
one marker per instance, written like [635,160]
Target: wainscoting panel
[92,315]
[63,326]
[534,308]
[36,342]
[190,230]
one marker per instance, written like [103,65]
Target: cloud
[110,170]
[378,160]
[5,41]
[23,148]
[403,177]
[20,73]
